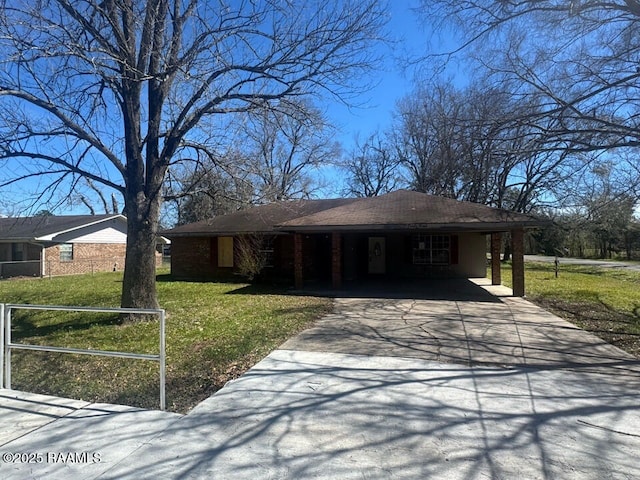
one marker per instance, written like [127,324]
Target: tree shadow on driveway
[316,415]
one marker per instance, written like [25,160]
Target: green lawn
[604,301]
[214,332]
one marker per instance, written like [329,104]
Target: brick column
[297,260]
[517,263]
[496,246]
[336,260]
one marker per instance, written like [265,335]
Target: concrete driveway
[452,382]
[454,321]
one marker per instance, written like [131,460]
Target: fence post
[1,345]
[162,361]
[7,341]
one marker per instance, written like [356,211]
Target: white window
[431,249]
[225,251]
[66,252]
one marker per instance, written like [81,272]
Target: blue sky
[371,111]
[374,108]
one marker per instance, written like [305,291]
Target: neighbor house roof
[47,227]
[402,209]
[406,209]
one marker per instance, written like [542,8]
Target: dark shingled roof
[31,228]
[260,219]
[406,209]
[402,209]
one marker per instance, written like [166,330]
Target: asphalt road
[584,261]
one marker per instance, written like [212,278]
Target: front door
[377,257]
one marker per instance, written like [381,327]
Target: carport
[408,234]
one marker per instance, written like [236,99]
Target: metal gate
[7,346]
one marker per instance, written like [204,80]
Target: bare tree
[606,201]
[580,58]
[107,207]
[372,168]
[209,187]
[115,90]
[426,140]
[271,154]
[478,143]
[284,145]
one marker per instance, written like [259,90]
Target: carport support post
[517,262]
[496,247]
[297,260]
[336,260]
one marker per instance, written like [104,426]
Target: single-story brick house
[402,234]
[62,245]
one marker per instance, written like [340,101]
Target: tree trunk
[507,251]
[139,282]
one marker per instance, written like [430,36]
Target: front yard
[215,332]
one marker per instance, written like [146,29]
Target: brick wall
[192,257]
[197,258]
[88,258]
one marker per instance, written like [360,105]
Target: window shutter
[225,252]
[454,249]
[408,249]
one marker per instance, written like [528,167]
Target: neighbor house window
[431,249]
[225,251]
[17,252]
[66,252]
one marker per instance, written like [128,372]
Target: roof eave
[18,239]
[221,233]
[51,237]
[453,227]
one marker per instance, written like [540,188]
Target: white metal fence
[7,346]
[27,268]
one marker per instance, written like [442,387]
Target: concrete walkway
[470,386]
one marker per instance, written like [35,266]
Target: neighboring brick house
[402,234]
[62,245]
